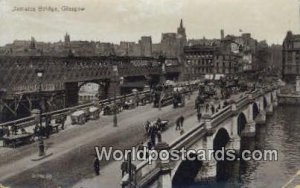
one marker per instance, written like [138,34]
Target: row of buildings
[170,46]
[228,55]
[200,57]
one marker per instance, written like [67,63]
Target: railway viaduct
[20,88]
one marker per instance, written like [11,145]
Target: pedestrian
[159,136]
[158,123]
[147,126]
[97,166]
[48,130]
[199,115]
[181,121]
[207,107]
[124,168]
[177,124]
[149,145]
[140,148]
[152,133]
[152,138]
[64,118]
[212,108]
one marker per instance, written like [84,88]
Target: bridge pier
[234,144]
[269,109]
[71,91]
[207,172]
[261,117]
[114,87]
[164,180]
[250,129]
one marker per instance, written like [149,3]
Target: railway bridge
[226,128]
[20,87]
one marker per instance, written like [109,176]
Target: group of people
[153,131]
[47,129]
[211,107]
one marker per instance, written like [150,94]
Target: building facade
[291,57]
[199,61]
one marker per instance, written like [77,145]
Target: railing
[28,121]
[220,116]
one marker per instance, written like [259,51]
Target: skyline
[135,18]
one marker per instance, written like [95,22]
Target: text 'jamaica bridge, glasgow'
[63,77]
[224,129]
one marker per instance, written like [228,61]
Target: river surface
[281,132]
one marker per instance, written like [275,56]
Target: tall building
[169,44]
[146,46]
[291,57]
[172,44]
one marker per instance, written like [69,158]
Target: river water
[281,132]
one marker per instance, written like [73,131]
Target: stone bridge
[63,77]
[226,128]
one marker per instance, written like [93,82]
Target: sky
[128,20]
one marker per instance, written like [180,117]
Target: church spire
[181,29]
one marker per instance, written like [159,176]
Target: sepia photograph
[150,94]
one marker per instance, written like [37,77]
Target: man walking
[124,168]
[178,123]
[181,121]
[199,115]
[97,166]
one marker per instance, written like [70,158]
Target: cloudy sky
[119,20]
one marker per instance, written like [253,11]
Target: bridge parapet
[208,128]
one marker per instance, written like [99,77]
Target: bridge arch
[241,123]
[221,139]
[186,172]
[94,89]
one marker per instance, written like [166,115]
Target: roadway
[73,149]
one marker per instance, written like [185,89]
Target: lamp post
[40,73]
[116,74]
[161,59]
[189,78]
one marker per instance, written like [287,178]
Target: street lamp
[161,59]
[40,73]
[116,74]
[189,64]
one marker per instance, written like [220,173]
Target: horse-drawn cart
[78,117]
